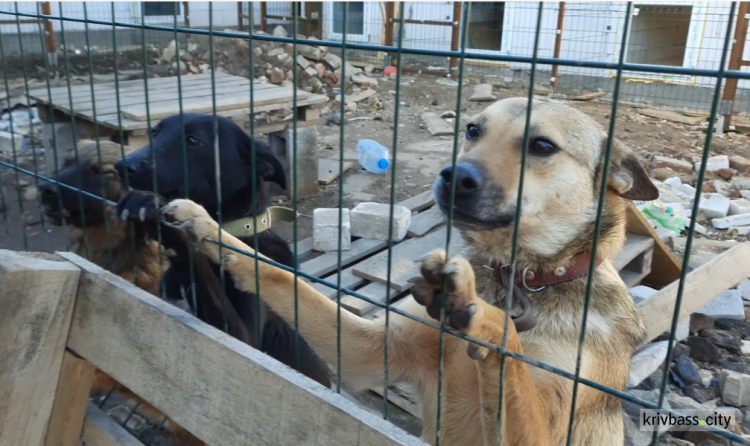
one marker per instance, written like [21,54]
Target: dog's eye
[542,147]
[472,131]
[193,141]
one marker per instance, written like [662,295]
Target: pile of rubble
[710,369]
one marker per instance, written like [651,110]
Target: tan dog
[564,165]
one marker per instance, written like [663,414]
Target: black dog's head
[240,196]
[95,174]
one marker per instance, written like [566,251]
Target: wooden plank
[133,85]
[205,105]
[277,405]
[419,202]
[435,124]
[634,246]
[348,280]
[701,285]
[665,268]
[37,296]
[328,262]
[483,92]
[423,222]
[328,170]
[109,92]
[375,291]
[111,120]
[403,259]
[671,116]
[101,430]
[69,408]
[106,105]
[412,407]
[587,96]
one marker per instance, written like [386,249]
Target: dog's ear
[627,177]
[267,164]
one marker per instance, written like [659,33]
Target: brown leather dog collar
[534,280]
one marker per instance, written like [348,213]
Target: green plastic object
[666,216]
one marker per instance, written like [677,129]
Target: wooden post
[69,408]
[456,37]
[37,296]
[558,44]
[49,35]
[263,14]
[186,8]
[735,63]
[240,17]
[390,12]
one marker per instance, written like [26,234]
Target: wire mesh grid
[639,47]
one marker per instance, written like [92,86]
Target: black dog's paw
[139,206]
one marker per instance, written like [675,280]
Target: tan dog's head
[564,163]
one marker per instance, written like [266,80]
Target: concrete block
[282,144]
[326,231]
[732,220]
[744,289]
[371,220]
[714,206]
[674,164]
[745,348]
[687,189]
[641,293]
[10,140]
[646,361]
[727,305]
[737,207]
[735,388]
[673,182]
[714,163]
[745,193]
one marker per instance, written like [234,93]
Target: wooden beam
[735,63]
[136,338]
[101,430]
[240,16]
[263,16]
[49,30]
[701,285]
[558,43]
[37,296]
[456,37]
[69,408]
[665,268]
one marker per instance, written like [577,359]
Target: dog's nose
[125,167]
[47,189]
[467,177]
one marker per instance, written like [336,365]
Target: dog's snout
[125,167]
[466,177]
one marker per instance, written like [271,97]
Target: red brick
[740,163]
[674,164]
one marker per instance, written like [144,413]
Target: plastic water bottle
[373,156]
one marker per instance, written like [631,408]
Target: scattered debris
[435,125]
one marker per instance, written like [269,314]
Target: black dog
[241,196]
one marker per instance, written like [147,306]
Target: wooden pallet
[364,269]
[197,92]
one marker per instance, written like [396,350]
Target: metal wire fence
[633,61]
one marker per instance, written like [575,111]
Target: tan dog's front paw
[455,278]
[192,219]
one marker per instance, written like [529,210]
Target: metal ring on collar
[528,288]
